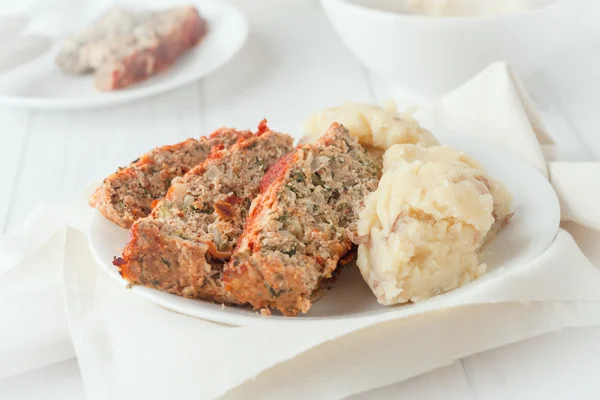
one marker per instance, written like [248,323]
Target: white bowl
[429,56]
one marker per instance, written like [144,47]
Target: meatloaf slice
[77,55]
[128,194]
[302,223]
[125,46]
[152,47]
[182,246]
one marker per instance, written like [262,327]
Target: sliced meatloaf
[151,48]
[302,223]
[126,46]
[77,55]
[129,193]
[182,246]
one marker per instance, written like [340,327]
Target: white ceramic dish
[41,85]
[532,230]
[428,56]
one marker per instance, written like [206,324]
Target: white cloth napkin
[128,348]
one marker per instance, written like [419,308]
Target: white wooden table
[293,65]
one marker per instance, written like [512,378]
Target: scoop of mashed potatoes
[422,229]
[373,126]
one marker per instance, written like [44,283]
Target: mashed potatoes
[449,8]
[424,225]
[373,126]
[501,196]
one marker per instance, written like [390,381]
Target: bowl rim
[547,7]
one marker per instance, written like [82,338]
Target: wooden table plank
[573,76]
[13,142]
[60,381]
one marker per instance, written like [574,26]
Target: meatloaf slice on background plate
[126,46]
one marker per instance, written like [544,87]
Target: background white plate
[40,84]
[530,233]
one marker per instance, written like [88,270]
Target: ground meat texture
[78,54]
[151,48]
[302,223]
[129,193]
[182,246]
[126,46]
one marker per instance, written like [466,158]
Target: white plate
[530,233]
[41,85]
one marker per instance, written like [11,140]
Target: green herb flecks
[259,163]
[298,177]
[290,252]
[206,208]
[163,212]
[145,191]
[274,293]
[316,179]
[284,218]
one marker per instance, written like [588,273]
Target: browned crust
[151,60]
[106,196]
[276,171]
[170,251]
[270,282]
[190,267]
[246,282]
